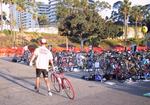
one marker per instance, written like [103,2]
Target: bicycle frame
[60,82]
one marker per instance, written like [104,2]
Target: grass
[56,40]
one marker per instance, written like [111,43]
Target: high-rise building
[53,10]
[26,20]
[43,9]
[22,19]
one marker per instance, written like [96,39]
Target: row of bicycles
[105,66]
[108,65]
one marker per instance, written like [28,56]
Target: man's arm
[32,59]
[35,54]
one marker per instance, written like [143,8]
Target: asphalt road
[17,88]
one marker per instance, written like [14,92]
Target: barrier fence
[19,50]
[11,51]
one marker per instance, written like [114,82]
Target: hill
[8,39]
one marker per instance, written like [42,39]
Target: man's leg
[48,86]
[37,81]
[47,82]
[37,84]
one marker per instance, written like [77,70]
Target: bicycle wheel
[68,88]
[55,82]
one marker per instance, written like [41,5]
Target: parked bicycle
[60,82]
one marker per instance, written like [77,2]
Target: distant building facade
[53,10]
[22,19]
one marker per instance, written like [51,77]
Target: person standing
[42,57]
[91,53]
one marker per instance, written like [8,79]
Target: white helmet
[43,41]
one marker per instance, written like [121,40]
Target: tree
[79,22]
[101,5]
[83,22]
[43,20]
[11,3]
[1,22]
[34,11]
[125,10]
[22,6]
[113,30]
[137,15]
[70,8]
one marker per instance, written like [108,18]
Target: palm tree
[34,11]
[11,3]
[125,10]
[22,6]
[43,20]
[137,15]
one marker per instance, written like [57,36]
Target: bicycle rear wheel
[55,82]
[68,88]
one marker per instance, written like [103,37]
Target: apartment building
[49,10]
[53,10]
[26,20]
[22,19]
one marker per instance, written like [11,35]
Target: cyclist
[43,58]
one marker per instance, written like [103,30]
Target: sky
[105,12]
[111,2]
[134,2]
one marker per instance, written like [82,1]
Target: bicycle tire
[68,88]
[55,83]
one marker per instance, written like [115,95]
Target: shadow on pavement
[21,81]
[18,80]
[61,93]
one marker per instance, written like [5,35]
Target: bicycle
[60,82]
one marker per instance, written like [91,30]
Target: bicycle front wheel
[55,82]
[68,88]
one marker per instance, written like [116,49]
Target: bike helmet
[43,41]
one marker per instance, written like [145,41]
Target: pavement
[17,88]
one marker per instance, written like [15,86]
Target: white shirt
[43,57]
